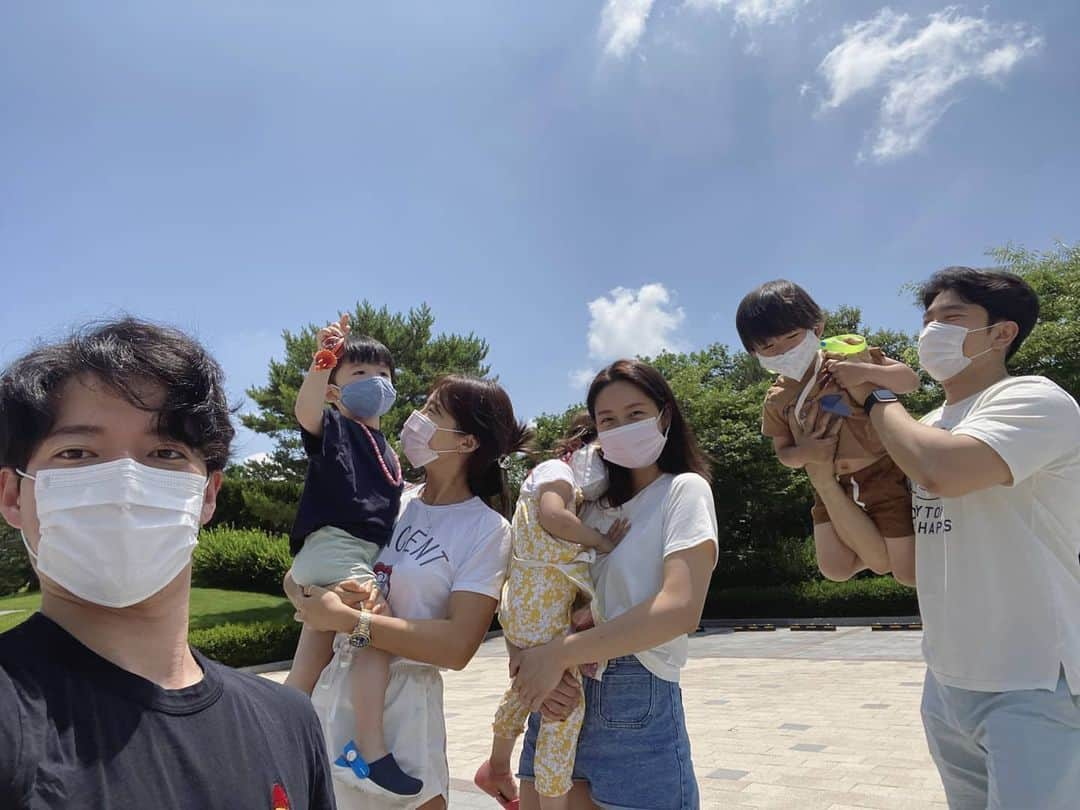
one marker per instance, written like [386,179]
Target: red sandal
[487,780]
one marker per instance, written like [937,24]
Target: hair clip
[504,462]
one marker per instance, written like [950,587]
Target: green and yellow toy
[844,344]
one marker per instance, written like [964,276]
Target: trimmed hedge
[245,645]
[15,570]
[872,596]
[241,560]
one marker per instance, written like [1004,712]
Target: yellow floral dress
[546,575]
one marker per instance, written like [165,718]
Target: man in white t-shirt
[996,503]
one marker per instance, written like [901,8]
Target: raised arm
[311,399]
[944,463]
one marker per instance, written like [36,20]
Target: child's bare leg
[835,560]
[555,802]
[902,558]
[370,676]
[313,653]
[502,749]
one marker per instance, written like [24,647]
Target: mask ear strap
[30,551]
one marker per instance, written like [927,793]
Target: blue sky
[571,180]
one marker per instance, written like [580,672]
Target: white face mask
[115,533]
[589,471]
[794,362]
[941,349]
[416,435]
[633,446]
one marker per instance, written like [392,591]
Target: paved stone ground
[784,719]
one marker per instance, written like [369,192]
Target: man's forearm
[918,450]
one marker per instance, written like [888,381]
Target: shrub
[873,596]
[241,560]
[15,570]
[245,645]
[788,562]
[256,504]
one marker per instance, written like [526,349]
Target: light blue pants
[1005,750]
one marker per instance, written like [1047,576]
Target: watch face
[358,641]
[885,395]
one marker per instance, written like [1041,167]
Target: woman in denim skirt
[633,752]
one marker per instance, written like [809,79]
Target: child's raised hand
[333,333]
[847,374]
[615,533]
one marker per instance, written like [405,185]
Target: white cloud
[622,25]
[626,323]
[623,22]
[257,458]
[918,70]
[751,13]
[582,378]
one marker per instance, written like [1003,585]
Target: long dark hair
[483,409]
[681,453]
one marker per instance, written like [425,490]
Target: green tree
[421,356]
[1053,348]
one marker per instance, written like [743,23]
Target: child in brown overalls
[782,325]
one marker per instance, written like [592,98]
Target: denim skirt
[633,750]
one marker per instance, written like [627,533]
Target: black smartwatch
[879,395]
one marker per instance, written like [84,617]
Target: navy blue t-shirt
[345,485]
[77,731]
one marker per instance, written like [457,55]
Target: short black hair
[125,355]
[364,349]
[773,309]
[1005,297]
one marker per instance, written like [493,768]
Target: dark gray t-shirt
[76,731]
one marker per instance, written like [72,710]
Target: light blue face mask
[369,398]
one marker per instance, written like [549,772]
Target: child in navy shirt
[345,518]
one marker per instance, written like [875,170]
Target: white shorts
[415,726]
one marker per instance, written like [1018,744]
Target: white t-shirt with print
[998,571]
[547,472]
[673,513]
[436,550]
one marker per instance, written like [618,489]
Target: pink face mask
[633,446]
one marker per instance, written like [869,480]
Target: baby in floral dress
[549,570]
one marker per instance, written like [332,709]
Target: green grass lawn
[209,608]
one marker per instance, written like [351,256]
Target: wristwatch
[879,395]
[360,636]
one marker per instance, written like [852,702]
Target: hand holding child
[816,437]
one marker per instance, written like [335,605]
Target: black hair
[364,349]
[1005,297]
[125,355]
[774,309]
[580,432]
[681,452]
[483,409]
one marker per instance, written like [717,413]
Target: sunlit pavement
[781,719]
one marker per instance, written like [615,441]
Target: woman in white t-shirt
[441,575]
[633,750]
